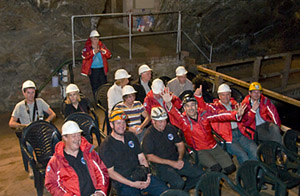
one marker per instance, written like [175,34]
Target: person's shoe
[30,172]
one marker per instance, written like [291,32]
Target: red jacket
[198,134]
[267,111]
[150,102]
[88,54]
[61,178]
[224,128]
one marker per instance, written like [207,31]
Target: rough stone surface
[245,28]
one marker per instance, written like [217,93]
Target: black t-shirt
[83,106]
[79,165]
[162,144]
[122,156]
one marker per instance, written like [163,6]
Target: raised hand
[167,95]
[198,91]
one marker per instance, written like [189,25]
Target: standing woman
[94,63]
[74,103]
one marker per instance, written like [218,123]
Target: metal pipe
[178,48]
[196,46]
[130,36]
[73,41]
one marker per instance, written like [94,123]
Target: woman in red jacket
[94,63]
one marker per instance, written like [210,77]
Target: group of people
[151,127]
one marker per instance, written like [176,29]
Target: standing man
[94,63]
[195,123]
[124,159]
[261,115]
[180,83]
[134,111]
[233,132]
[154,98]
[143,84]
[165,149]
[75,168]
[30,109]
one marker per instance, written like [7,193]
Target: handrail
[199,49]
[56,70]
[270,93]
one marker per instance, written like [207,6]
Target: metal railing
[130,35]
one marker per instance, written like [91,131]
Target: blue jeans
[242,147]
[155,188]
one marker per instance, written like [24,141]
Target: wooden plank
[256,69]
[286,71]
[246,85]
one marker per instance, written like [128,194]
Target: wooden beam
[256,69]
[286,71]
[246,85]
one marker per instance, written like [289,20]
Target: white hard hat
[94,33]
[143,68]
[157,86]
[158,113]
[70,127]
[121,73]
[28,84]
[72,88]
[127,90]
[180,71]
[224,88]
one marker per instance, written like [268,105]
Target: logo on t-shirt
[131,144]
[170,136]
[83,161]
[48,168]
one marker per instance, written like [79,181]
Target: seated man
[233,132]
[165,149]
[154,98]
[134,111]
[75,168]
[143,84]
[30,109]
[123,157]
[261,115]
[74,103]
[180,83]
[195,124]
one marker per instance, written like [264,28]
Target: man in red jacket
[195,124]
[75,168]
[237,141]
[261,115]
[94,63]
[154,98]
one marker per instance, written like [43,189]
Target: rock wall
[245,28]
[36,39]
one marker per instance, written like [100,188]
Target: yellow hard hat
[117,115]
[255,86]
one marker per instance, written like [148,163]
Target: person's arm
[180,149]
[119,178]
[101,174]
[13,123]
[53,182]
[105,52]
[51,114]
[156,159]
[146,120]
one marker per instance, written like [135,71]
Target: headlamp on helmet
[188,98]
